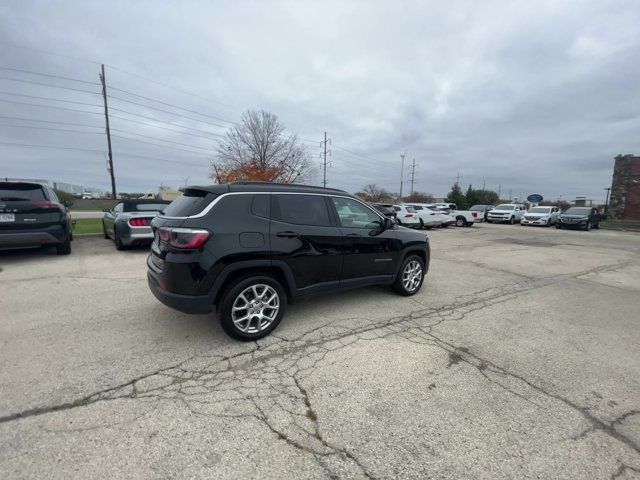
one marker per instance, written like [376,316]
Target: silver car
[129,222]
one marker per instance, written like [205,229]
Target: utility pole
[401,174]
[499,187]
[483,182]
[606,202]
[510,190]
[324,162]
[413,174]
[106,117]
[458,179]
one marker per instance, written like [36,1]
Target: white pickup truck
[461,218]
[507,212]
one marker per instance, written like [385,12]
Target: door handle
[288,234]
[353,235]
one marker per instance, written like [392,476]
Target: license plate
[7,217]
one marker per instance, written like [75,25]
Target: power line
[163,146]
[50,99]
[164,121]
[55,147]
[166,111]
[167,104]
[46,84]
[48,128]
[164,128]
[49,75]
[169,86]
[161,139]
[49,106]
[49,121]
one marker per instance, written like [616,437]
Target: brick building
[625,188]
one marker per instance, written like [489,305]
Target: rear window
[191,203]
[21,192]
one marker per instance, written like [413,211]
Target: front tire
[410,277]
[252,307]
[587,227]
[512,220]
[104,230]
[461,222]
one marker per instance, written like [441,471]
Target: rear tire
[64,248]
[233,296]
[461,222]
[421,224]
[117,241]
[410,277]
[104,230]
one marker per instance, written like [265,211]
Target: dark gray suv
[31,215]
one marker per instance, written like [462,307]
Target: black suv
[31,215]
[250,248]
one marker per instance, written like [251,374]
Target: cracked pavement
[520,357]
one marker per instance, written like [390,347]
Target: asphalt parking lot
[519,358]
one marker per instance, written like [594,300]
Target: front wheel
[460,222]
[410,277]
[252,308]
[512,220]
[587,227]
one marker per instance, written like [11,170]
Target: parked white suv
[507,212]
[430,218]
[407,216]
[541,216]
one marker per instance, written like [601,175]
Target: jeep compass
[250,248]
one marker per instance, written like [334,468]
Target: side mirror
[106,210]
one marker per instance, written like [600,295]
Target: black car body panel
[249,232]
[31,215]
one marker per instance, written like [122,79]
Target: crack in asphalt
[265,383]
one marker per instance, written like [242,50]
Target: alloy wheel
[255,308]
[411,276]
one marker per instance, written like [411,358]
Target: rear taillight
[474,214]
[138,222]
[47,204]
[183,238]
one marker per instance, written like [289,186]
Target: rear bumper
[52,235]
[183,303]
[135,235]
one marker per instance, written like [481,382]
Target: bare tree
[420,197]
[374,193]
[258,148]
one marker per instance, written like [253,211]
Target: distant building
[625,188]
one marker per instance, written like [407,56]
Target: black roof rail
[290,185]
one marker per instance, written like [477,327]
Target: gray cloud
[535,97]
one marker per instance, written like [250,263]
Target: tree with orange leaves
[258,149]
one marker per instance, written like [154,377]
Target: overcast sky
[537,97]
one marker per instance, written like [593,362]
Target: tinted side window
[260,205]
[354,214]
[300,209]
[119,207]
